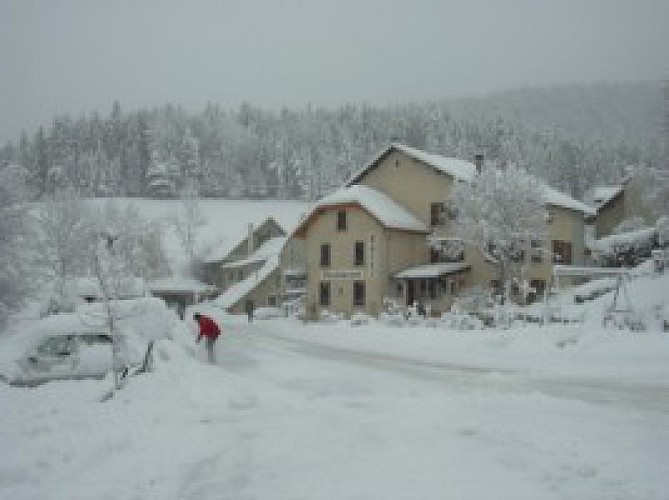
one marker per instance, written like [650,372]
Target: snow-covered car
[65,347]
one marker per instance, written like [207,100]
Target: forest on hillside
[573,136]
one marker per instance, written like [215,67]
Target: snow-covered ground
[335,411]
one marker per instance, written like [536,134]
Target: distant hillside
[574,136]
[630,113]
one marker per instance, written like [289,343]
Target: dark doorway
[411,292]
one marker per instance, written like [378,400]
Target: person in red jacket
[210,331]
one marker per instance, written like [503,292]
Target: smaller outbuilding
[179,293]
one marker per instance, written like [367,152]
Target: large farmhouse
[369,242]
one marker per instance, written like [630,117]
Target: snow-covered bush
[626,249]
[392,306]
[459,321]
[624,320]
[331,316]
[392,319]
[267,313]
[472,300]
[359,319]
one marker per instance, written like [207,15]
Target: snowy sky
[74,56]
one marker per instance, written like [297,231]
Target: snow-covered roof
[558,199]
[433,270]
[455,167]
[239,290]
[269,248]
[379,205]
[230,240]
[88,286]
[602,195]
[639,236]
[179,285]
[464,170]
[584,271]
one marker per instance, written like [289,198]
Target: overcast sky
[75,56]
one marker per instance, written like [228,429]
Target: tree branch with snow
[498,212]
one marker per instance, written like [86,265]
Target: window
[325,255]
[359,253]
[539,287]
[449,250]
[358,293]
[271,301]
[449,287]
[436,214]
[240,274]
[536,250]
[518,254]
[561,252]
[432,288]
[325,293]
[341,220]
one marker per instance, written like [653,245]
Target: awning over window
[433,270]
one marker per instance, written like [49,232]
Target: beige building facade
[360,259]
[626,201]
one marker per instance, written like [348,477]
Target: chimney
[478,161]
[249,240]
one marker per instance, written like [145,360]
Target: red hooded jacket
[208,328]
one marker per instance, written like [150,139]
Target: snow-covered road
[449,375]
[295,411]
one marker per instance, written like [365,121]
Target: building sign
[342,275]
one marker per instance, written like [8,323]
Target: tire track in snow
[592,391]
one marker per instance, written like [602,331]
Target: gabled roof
[241,289]
[455,167]
[559,199]
[268,249]
[387,212]
[461,170]
[601,196]
[225,246]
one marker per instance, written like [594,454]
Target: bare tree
[499,211]
[189,220]
[66,241]
[15,271]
